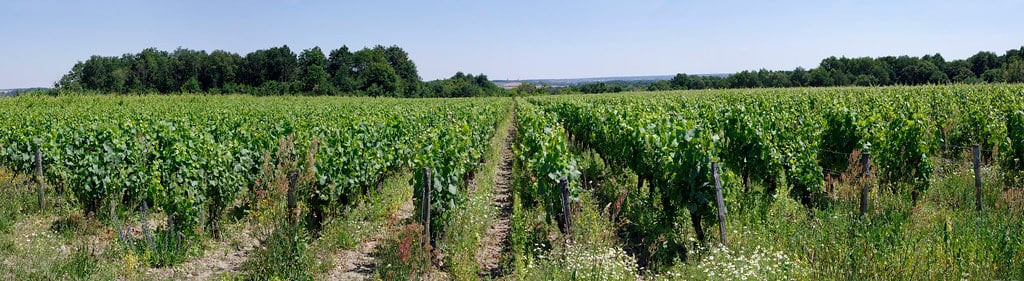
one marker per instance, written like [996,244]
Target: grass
[48,244]
[369,217]
[291,253]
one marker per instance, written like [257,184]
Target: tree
[665,85]
[936,60]
[938,77]
[1014,71]
[222,70]
[881,73]
[777,79]
[467,85]
[800,77]
[904,69]
[191,86]
[274,64]
[820,78]
[994,75]
[983,62]
[72,81]
[341,68]
[680,81]
[153,69]
[926,72]
[388,71]
[104,74]
[700,82]
[379,79]
[313,77]
[959,71]
[374,76]
[187,65]
[865,80]
[744,79]
[404,67]
[526,89]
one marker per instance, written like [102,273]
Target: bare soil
[496,241]
[222,257]
[358,263]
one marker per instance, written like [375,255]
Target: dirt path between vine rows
[358,263]
[496,241]
[222,257]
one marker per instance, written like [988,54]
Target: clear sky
[41,39]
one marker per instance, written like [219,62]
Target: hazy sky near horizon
[42,39]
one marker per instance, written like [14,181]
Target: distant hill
[15,92]
[566,82]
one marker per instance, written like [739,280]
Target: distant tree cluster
[379,71]
[903,70]
[614,86]
[600,87]
[462,85]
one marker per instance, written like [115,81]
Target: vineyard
[192,157]
[868,171]
[830,183]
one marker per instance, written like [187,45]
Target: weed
[403,256]
[285,256]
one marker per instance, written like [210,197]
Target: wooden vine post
[976,150]
[721,202]
[425,207]
[39,178]
[292,196]
[865,162]
[563,185]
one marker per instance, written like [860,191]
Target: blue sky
[42,39]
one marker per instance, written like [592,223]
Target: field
[325,188]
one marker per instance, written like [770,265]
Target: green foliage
[669,139]
[839,138]
[749,145]
[543,151]
[452,151]
[191,86]
[191,156]
[377,71]
[1014,71]
[463,85]
[843,71]
[1012,151]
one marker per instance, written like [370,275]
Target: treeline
[530,89]
[983,67]
[379,71]
[462,85]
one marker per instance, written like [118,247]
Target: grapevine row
[797,136]
[193,155]
[542,151]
